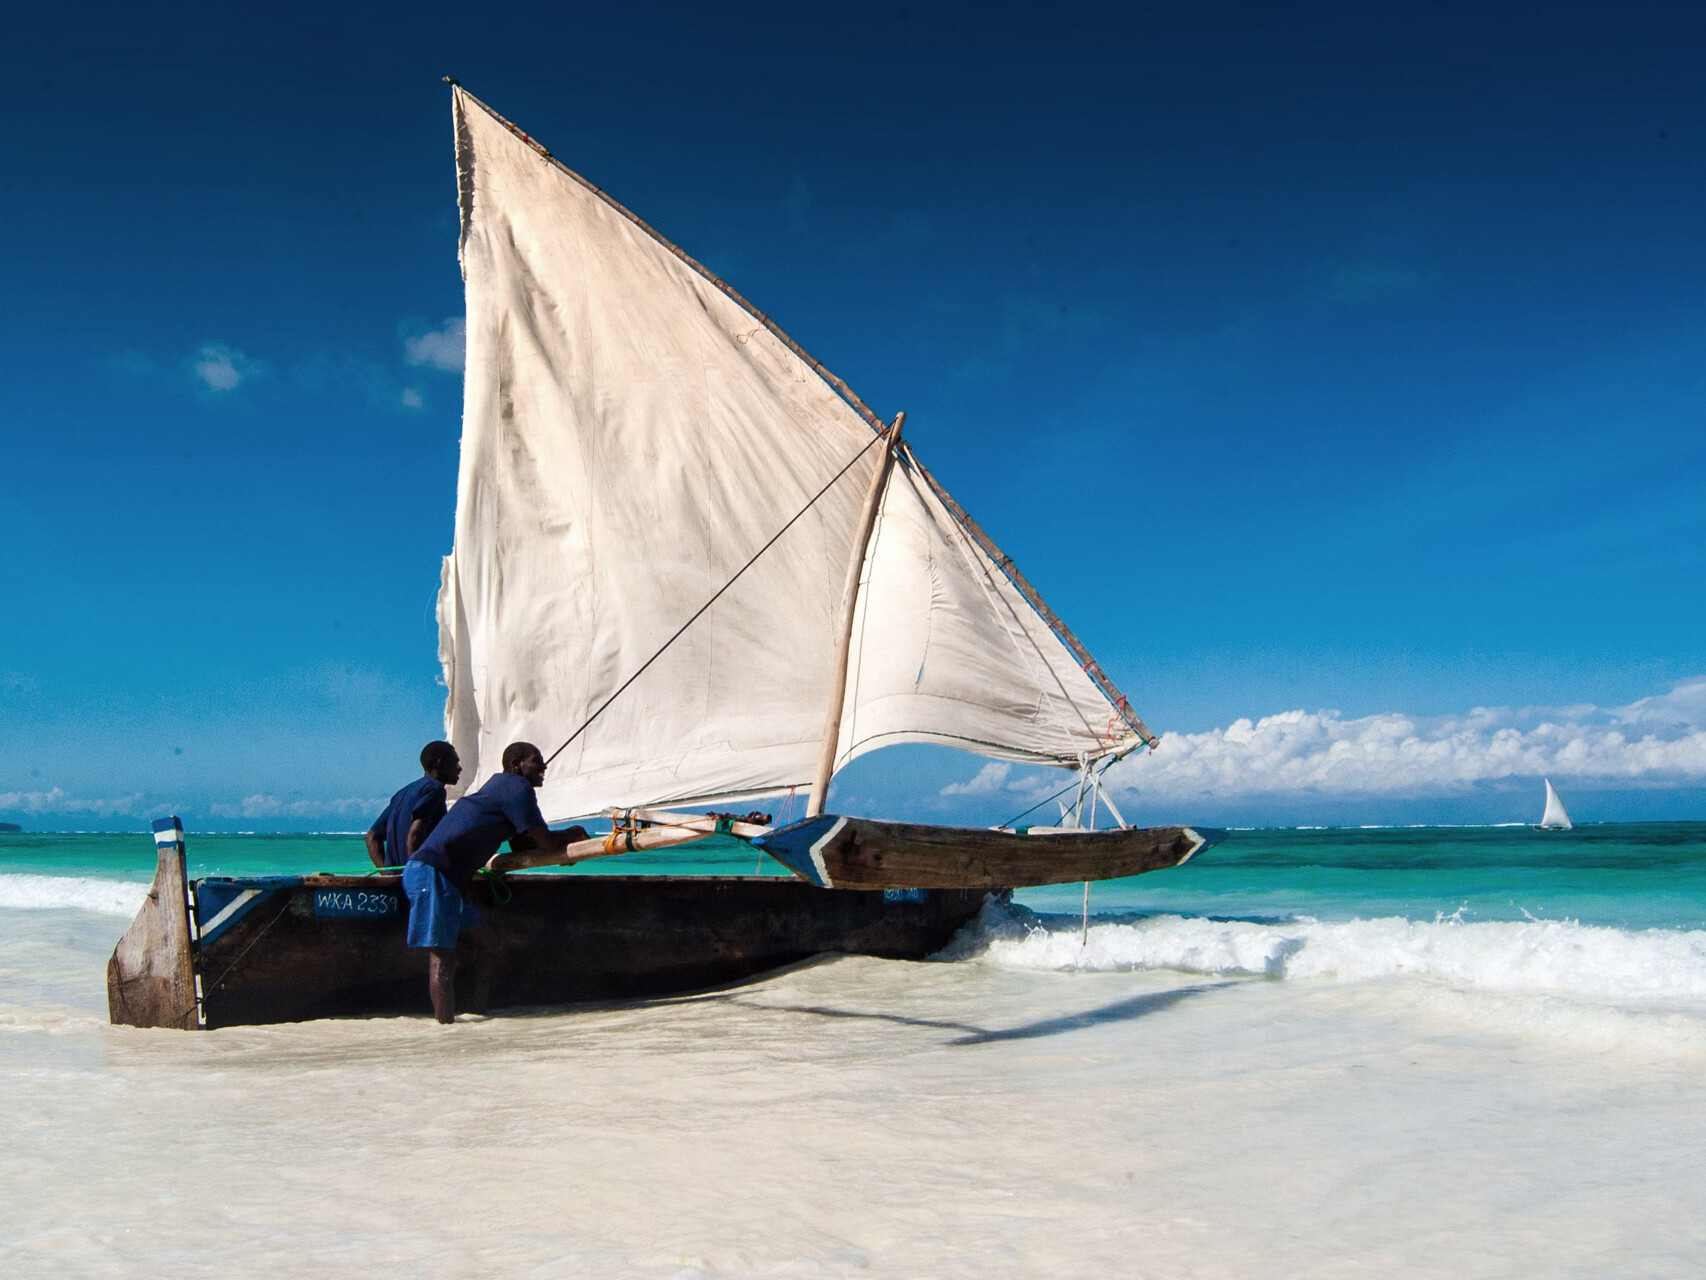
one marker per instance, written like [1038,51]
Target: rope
[209,988]
[1039,804]
[623,829]
[501,892]
[714,598]
[1057,795]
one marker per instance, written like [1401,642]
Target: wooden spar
[617,842]
[664,830]
[704,822]
[1004,562]
[849,604]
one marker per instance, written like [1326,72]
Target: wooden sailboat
[698,565]
[1555,817]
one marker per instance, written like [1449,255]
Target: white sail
[1555,818]
[947,650]
[633,435]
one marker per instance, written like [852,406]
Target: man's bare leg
[441,982]
[482,941]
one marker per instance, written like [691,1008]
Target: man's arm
[376,847]
[419,830]
[545,838]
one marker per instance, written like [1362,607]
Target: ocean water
[1430,1051]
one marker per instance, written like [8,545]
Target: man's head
[439,760]
[527,760]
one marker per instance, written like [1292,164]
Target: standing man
[440,872]
[415,810]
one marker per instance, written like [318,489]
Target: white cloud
[990,779]
[223,368]
[270,806]
[1655,742]
[412,398]
[442,348]
[58,801]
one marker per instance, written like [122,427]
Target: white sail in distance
[1555,818]
[633,434]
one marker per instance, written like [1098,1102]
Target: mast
[849,602]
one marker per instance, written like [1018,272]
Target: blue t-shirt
[423,798]
[477,824]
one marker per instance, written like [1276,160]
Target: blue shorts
[437,912]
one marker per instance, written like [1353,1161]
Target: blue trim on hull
[792,846]
[221,903]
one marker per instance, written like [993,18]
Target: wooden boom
[634,830]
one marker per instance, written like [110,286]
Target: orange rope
[623,829]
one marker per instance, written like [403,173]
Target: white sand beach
[854,1117]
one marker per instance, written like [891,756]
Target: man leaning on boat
[440,872]
[416,809]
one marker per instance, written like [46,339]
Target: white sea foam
[1552,956]
[109,897]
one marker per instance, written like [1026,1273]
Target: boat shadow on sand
[1118,1011]
[742,995]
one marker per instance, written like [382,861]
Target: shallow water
[1338,1095]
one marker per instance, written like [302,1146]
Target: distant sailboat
[1556,818]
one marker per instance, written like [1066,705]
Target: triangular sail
[947,650]
[1555,818]
[633,433]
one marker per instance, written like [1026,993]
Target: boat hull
[291,949]
[861,853]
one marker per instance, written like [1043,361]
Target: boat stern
[151,979]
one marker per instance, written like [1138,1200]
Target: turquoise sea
[1625,876]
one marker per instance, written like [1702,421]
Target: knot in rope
[623,829]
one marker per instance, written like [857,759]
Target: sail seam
[835,383]
[1037,757]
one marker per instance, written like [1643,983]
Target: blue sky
[1323,359]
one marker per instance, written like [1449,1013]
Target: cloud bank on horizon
[1654,742]
[1651,744]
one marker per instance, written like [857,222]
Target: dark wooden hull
[331,946]
[861,853]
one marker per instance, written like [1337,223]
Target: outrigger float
[678,532]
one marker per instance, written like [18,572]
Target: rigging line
[214,985]
[585,724]
[1039,804]
[1022,584]
[1057,795]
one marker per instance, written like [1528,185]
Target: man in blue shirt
[415,810]
[440,872]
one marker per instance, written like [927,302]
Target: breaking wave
[38,893]
[1547,956]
